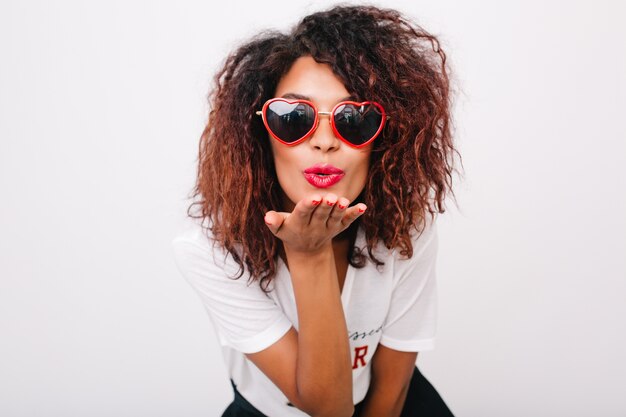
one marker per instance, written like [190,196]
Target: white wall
[101,109]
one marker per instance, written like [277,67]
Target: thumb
[274,221]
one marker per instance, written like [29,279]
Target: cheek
[361,164]
[284,161]
[287,167]
[360,176]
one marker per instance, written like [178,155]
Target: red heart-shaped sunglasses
[291,122]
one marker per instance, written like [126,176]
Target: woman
[320,143]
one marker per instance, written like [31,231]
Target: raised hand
[314,222]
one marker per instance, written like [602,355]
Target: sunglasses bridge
[325,113]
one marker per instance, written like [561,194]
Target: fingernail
[342,207]
[362,210]
[315,202]
[330,203]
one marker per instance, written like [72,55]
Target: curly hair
[379,55]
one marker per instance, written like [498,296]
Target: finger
[324,209]
[338,212]
[353,213]
[305,207]
[274,221]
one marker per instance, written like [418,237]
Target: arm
[391,375]
[324,371]
[408,328]
[313,366]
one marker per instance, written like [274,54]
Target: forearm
[383,403]
[324,371]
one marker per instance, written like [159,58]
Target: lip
[323,181]
[323,169]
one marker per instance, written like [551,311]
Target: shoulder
[194,246]
[191,231]
[420,266]
[191,236]
[423,237]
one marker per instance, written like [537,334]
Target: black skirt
[422,400]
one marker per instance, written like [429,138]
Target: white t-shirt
[396,307]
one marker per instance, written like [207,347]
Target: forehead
[310,80]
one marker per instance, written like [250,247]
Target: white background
[101,108]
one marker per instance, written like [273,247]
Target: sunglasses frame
[318,113]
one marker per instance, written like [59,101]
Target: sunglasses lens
[358,123]
[290,121]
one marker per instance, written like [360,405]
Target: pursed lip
[323,169]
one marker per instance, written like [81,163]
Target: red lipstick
[323,175]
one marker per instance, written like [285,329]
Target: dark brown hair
[379,55]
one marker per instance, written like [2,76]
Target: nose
[324,137]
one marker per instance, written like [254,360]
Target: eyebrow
[303,97]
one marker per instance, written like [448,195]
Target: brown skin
[314,370]
[398,64]
[317,81]
[308,232]
[323,375]
[391,376]
[312,366]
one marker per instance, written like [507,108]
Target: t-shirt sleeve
[244,317]
[411,321]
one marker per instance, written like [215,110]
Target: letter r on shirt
[359,355]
